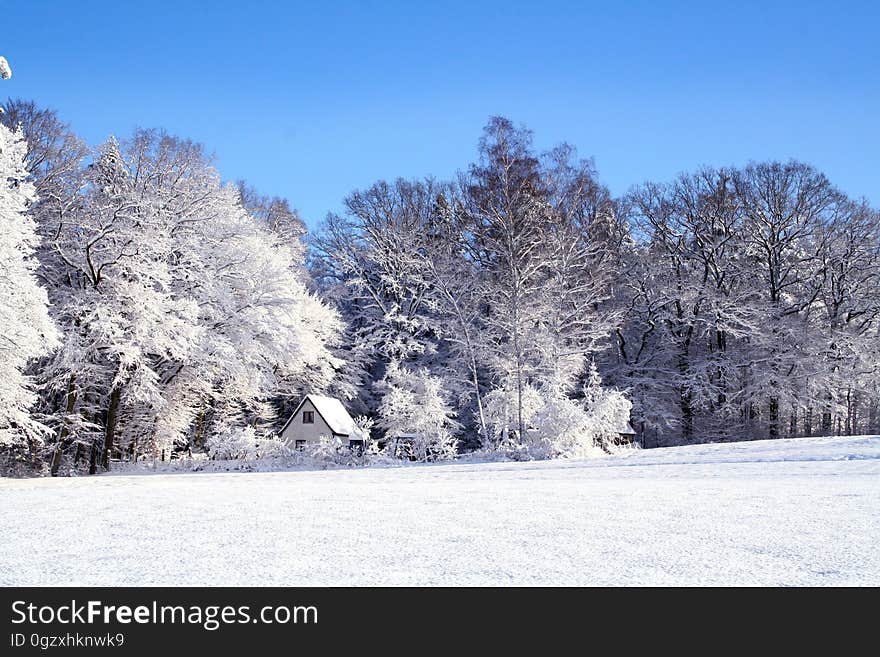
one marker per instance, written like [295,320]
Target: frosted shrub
[272,448]
[608,410]
[364,429]
[233,443]
[334,451]
[502,420]
[563,429]
[415,416]
[556,426]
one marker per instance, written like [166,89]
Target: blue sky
[312,100]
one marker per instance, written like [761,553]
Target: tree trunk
[35,457]
[685,400]
[774,417]
[484,432]
[68,409]
[687,416]
[519,405]
[519,386]
[848,421]
[62,434]
[826,423]
[200,427]
[56,460]
[112,417]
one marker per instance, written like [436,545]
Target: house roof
[334,413]
[331,411]
[626,429]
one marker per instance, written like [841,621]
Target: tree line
[179,302]
[727,304]
[519,307]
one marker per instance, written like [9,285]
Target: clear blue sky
[312,100]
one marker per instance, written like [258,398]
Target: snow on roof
[626,429]
[334,414]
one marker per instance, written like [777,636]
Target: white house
[318,417]
[626,433]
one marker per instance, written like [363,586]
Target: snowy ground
[788,512]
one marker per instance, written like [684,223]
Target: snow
[334,414]
[5,70]
[784,512]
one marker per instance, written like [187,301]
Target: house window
[300,445]
[308,417]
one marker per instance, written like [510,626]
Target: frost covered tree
[505,203]
[537,232]
[276,214]
[688,299]
[369,261]
[415,415]
[505,407]
[28,332]
[187,313]
[494,282]
[122,318]
[788,210]
[233,443]
[747,305]
[607,411]
[581,232]
[844,325]
[559,425]
[454,296]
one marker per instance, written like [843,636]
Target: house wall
[296,430]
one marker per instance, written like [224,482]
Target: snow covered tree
[504,203]
[504,407]
[494,281]
[690,298]
[453,292]
[188,314]
[28,332]
[786,211]
[370,263]
[275,214]
[53,159]
[746,299]
[537,231]
[558,425]
[580,231]
[414,414]
[608,413]
[844,325]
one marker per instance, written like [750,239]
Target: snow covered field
[787,512]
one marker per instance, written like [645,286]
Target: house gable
[333,426]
